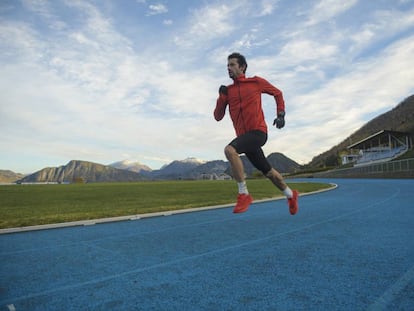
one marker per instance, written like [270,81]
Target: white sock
[288,192]
[242,187]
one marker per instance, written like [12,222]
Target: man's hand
[280,120]
[223,90]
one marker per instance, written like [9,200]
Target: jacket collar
[240,78]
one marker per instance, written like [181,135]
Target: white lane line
[389,295]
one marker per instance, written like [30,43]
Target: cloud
[79,83]
[383,25]
[267,7]
[327,9]
[332,112]
[45,10]
[93,91]
[303,50]
[212,25]
[205,24]
[156,9]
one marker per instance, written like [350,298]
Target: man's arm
[270,89]
[221,104]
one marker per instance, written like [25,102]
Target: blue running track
[351,248]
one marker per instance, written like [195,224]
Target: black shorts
[251,144]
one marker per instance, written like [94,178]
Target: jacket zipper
[240,107]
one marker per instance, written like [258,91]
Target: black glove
[280,120]
[223,90]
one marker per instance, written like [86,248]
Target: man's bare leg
[292,196]
[276,179]
[236,163]
[244,199]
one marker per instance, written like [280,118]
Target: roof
[376,135]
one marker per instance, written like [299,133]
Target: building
[379,147]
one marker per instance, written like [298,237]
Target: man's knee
[229,151]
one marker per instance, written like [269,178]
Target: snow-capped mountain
[193,160]
[177,169]
[130,165]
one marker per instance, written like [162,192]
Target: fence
[393,169]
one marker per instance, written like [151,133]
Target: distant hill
[282,163]
[178,169]
[212,167]
[7,176]
[195,169]
[82,171]
[278,160]
[401,119]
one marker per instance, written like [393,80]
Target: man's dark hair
[241,60]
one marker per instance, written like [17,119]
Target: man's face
[234,69]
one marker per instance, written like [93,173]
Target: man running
[245,107]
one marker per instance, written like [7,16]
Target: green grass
[26,205]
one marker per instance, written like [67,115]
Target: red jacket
[244,98]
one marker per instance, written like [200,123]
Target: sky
[111,80]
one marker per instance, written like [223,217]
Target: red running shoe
[293,203]
[243,202]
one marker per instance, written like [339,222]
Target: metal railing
[392,166]
[400,166]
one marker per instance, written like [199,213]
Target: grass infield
[28,205]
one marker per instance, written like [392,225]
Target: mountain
[248,167]
[401,119]
[278,161]
[7,176]
[282,163]
[210,168]
[82,171]
[176,169]
[190,168]
[132,166]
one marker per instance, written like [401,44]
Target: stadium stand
[379,147]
